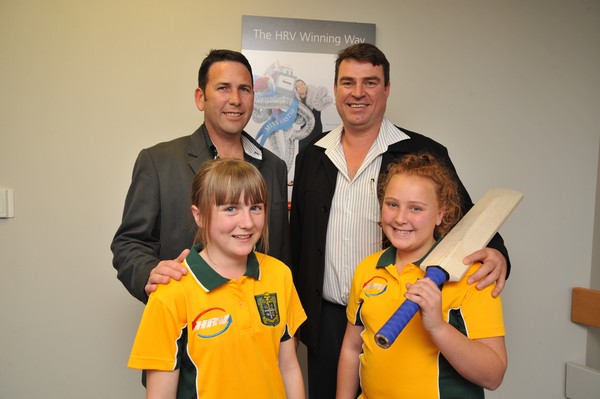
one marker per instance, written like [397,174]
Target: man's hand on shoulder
[165,271]
[493,269]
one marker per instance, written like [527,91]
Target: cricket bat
[444,263]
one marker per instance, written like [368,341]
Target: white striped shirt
[352,231]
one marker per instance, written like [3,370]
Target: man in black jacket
[335,209]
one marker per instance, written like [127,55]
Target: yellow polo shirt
[413,367]
[222,334]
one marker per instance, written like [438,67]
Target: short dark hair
[364,52]
[218,56]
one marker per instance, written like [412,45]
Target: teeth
[357,105]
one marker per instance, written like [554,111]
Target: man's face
[228,99]
[360,95]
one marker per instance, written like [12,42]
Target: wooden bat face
[473,232]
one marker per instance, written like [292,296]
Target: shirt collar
[388,257]
[331,139]
[252,150]
[388,135]
[207,277]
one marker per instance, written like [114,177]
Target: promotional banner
[293,61]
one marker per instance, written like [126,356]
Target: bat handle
[386,336]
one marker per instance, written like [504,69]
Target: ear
[199,98]
[197,216]
[440,216]
[387,89]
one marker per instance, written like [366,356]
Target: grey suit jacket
[157,221]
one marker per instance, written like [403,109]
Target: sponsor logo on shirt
[212,322]
[375,286]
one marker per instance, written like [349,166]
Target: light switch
[7,205]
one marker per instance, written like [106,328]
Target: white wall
[593,339]
[510,87]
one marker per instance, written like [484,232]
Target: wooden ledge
[585,307]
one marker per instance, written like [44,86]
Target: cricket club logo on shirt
[268,309]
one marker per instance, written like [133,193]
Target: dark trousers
[323,360]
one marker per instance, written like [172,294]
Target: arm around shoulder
[495,260]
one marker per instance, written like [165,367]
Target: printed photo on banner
[293,61]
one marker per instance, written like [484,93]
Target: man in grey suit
[157,226]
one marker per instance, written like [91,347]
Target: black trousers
[323,360]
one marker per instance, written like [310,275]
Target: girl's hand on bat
[428,296]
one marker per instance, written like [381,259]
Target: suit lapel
[198,151]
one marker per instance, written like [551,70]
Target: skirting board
[582,382]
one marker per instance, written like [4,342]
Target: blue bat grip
[386,336]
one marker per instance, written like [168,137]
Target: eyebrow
[226,83]
[366,78]
[410,202]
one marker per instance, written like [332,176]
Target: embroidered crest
[268,309]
